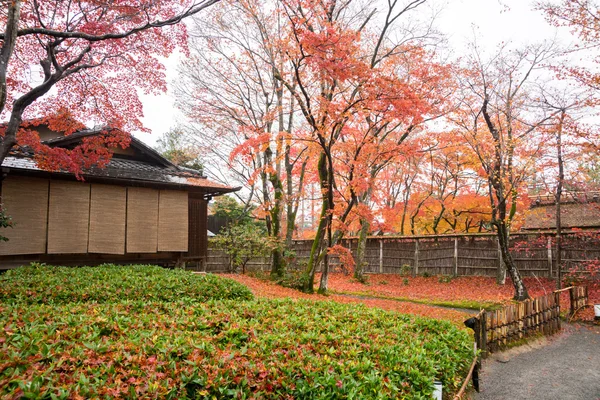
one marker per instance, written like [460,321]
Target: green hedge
[109,283]
[268,349]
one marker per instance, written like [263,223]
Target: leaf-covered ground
[195,347]
[469,292]
[421,295]
[267,289]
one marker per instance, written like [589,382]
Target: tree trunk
[330,208]
[317,245]
[559,185]
[503,239]
[501,271]
[278,261]
[359,268]
[8,46]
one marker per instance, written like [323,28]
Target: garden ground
[463,292]
[437,297]
[148,332]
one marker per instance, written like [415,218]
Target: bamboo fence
[494,330]
[458,255]
[497,329]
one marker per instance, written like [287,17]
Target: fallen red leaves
[268,289]
[474,289]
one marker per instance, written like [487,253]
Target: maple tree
[499,119]
[92,58]
[241,114]
[583,17]
[347,79]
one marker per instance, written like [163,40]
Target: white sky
[491,21]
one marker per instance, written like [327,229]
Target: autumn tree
[92,58]
[241,114]
[343,79]
[176,147]
[583,18]
[501,119]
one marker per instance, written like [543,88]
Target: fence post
[381,256]
[549,246]
[455,256]
[483,334]
[572,301]
[416,257]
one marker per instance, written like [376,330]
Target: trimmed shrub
[40,284]
[268,349]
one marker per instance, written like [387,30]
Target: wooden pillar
[381,256]
[416,268]
[455,256]
[549,246]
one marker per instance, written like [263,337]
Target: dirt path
[566,366]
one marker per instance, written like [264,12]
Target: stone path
[566,366]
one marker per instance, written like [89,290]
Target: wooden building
[141,208]
[578,211]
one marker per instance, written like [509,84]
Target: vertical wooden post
[381,256]
[572,301]
[549,246]
[483,339]
[455,256]
[416,269]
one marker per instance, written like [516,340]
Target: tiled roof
[152,169]
[119,168]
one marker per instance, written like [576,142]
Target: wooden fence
[496,329]
[458,255]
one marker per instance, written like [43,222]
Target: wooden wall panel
[108,205]
[142,220]
[173,220]
[197,248]
[68,217]
[26,201]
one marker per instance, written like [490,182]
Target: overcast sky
[491,21]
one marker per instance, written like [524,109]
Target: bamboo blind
[107,219]
[173,221]
[26,201]
[142,220]
[68,217]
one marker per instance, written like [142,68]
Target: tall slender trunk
[329,193]
[559,186]
[503,238]
[361,250]
[317,245]
[278,261]
[8,46]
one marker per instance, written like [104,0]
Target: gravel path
[566,366]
